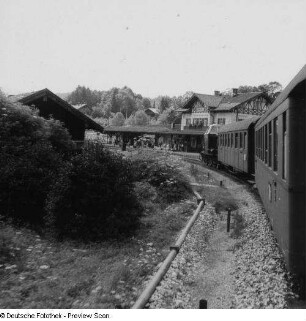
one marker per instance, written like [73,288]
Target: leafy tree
[83,95]
[118,120]
[146,103]
[97,112]
[141,118]
[166,117]
[165,103]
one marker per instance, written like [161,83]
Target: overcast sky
[155,47]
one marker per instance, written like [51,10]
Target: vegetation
[93,197]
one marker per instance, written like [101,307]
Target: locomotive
[272,149]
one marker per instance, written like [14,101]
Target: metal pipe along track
[151,287]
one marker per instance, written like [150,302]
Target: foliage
[167,117]
[139,119]
[117,120]
[84,95]
[170,183]
[93,197]
[30,157]
[271,89]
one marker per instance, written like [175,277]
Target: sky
[157,47]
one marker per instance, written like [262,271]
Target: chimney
[234,92]
[217,93]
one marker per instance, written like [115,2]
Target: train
[271,149]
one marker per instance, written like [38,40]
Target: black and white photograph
[152,157]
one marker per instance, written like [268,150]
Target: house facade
[200,111]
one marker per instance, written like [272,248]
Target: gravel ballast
[229,272]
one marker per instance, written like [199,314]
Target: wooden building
[152,112]
[201,110]
[51,105]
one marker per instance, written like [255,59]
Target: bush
[29,161]
[171,185]
[93,198]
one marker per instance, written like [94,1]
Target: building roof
[153,110]
[220,103]
[239,125]
[297,80]
[29,98]
[137,129]
[209,100]
[229,102]
[150,129]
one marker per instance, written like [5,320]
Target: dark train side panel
[282,190]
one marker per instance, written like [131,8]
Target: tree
[165,103]
[118,120]
[146,103]
[141,118]
[166,117]
[83,95]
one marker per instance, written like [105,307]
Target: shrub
[94,198]
[29,161]
[171,185]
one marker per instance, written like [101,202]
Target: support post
[228,219]
[203,304]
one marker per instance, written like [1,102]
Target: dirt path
[213,279]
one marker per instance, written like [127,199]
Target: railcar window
[275,142]
[240,140]
[236,140]
[232,140]
[266,144]
[270,144]
[245,140]
[285,146]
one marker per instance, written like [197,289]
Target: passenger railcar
[236,145]
[280,171]
[210,149]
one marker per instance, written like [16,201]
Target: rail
[174,249]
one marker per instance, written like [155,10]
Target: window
[266,144]
[221,121]
[232,140]
[275,142]
[188,121]
[205,121]
[236,140]
[245,141]
[241,140]
[193,142]
[270,144]
[285,146]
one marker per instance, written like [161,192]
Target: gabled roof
[298,79]
[228,102]
[209,100]
[220,103]
[238,125]
[153,110]
[29,98]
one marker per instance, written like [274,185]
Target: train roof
[239,125]
[299,78]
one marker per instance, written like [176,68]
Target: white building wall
[193,116]
[229,117]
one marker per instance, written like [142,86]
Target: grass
[38,272]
